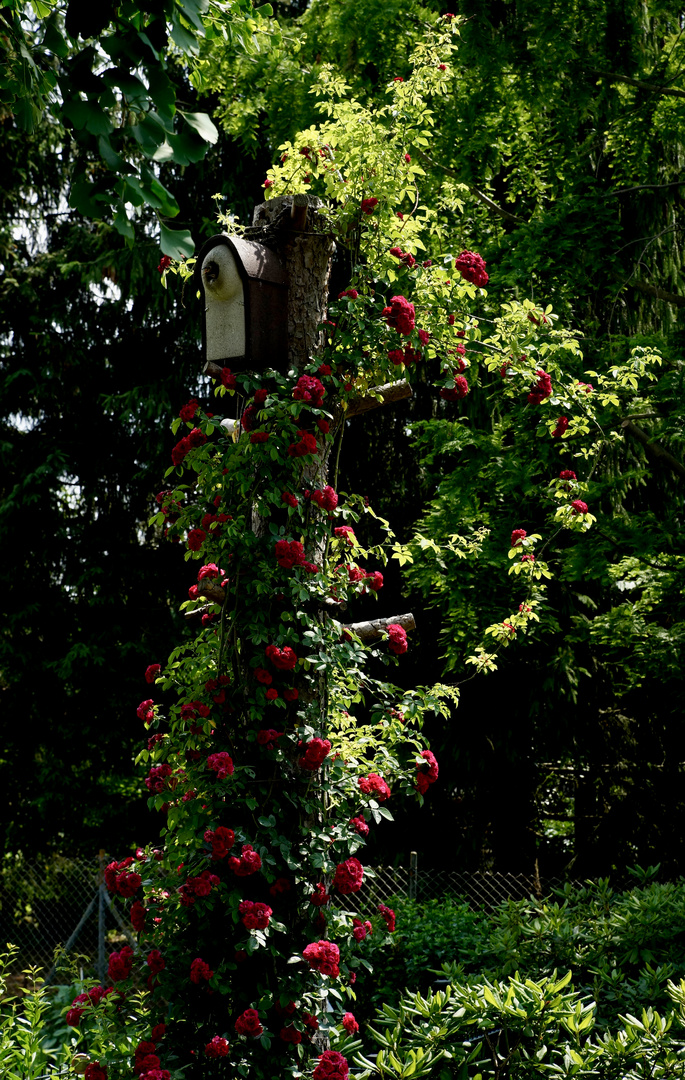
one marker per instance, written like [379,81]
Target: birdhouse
[245,291]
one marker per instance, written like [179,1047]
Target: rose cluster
[221,839]
[471,266]
[323,956]
[348,876]
[332,1066]
[248,863]
[315,753]
[197,888]
[254,916]
[120,880]
[375,785]
[400,315]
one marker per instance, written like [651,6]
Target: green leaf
[162,91]
[115,161]
[123,225]
[185,40]
[201,123]
[130,85]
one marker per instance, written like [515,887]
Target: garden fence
[61,906]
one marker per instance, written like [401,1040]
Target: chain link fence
[61,904]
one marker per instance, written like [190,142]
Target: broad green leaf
[202,124]
[178,243]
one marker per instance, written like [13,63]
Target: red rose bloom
[289,553]
[361,929]
[291,694]
[344,532]
[188,411]
[389,916]
[217,1048]
[562,425]
[427,773]
[567,474]
[280,885]
[155,961]
[517,536]
[291,1035]
[221,764]
[120,964]
[196,538]
[267,737]
[456,392]
[579,507]
[94,1070]
[200,971]
[373,784]
[369,205]
[401,315]
[309,389]
[315,753]
[221,839]
[319,897]
[374,581]
[350,1024]
[472,268]
[248,863]
[289,500]
[284,659]
[332,1066]
[542,388]
[397,639]
[145,711]
[323,956]
[326,499]
[248,1024]
[259,436]
[227,379]
[359,825]
[152,672]
[137,916]
[306,445]
[348,876]
[254,916]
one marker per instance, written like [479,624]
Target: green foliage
[115,95]
[517,1028]
[621,948]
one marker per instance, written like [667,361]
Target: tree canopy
[554,151]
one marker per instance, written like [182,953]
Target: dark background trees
[565,128]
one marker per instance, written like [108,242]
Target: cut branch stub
[390,393]
[375,628]
[213,592]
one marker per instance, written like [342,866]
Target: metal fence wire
[61,903]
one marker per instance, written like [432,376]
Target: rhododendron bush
[272,746]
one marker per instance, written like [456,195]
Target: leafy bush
[519,1029]
[621,948]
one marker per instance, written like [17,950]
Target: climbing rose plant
[272,747]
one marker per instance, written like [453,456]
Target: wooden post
[413,875]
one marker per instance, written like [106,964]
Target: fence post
[102,909]
[413,874]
